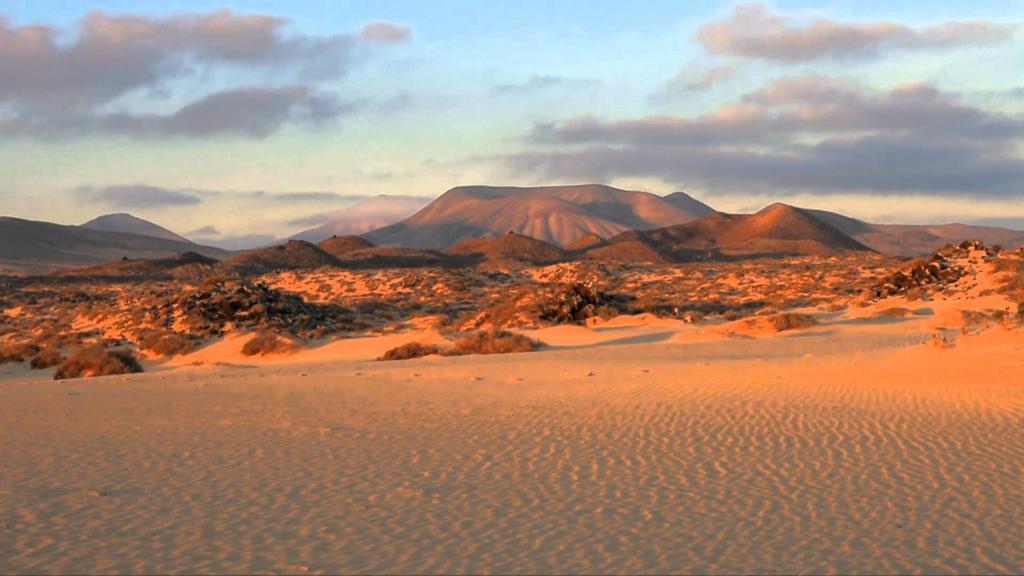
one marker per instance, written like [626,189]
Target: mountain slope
[510,246]
[689,204]
[917,239]
[27,245]
[363,217]
[555,214]
[777,230]
[129,224]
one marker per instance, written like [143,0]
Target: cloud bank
[798,133]
[753,31]
[50,87]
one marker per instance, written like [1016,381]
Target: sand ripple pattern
[485,466]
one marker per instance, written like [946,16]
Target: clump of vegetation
[14,352]
[166,343]
[97,360]
[47,358]
[410,351]
[492,342]
[791,321]
[266,343]
[572,303]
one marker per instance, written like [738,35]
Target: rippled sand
[638,455]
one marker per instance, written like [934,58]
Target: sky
[241,121]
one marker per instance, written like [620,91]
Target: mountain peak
[130,224]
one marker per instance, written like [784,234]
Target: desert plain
[841,414]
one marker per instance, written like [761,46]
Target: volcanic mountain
[510,246]
[361,217]
[31,246]
[777,230]
[129,224]
[555,214]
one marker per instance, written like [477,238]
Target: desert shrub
[409,351]
[166,343]
[791,321]
[11,352]
[47,358]
[268,343]
[492,342]
[97,360]
[733,314]
[572,303]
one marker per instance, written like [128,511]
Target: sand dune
[885,437]
[740,456]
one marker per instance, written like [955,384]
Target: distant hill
[151,267]
[363,217]
[32,246]
[917,239]
[292,255]
[339,246]
[510,246]
[129,224]
[586,241]
[777,230]
[558,215]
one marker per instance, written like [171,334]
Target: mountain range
[32,246]
[538,225]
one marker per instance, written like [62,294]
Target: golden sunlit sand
[635,446]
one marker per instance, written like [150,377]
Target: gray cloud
[255,112]
[753,31]
[304,197]
[207,231]
[686,81]
[113,55]
[52,87]
[807,133]
[386,33]
[136,196]
[234,242]
[541,82]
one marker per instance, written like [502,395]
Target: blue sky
[921,121]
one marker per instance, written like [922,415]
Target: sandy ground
[637,446]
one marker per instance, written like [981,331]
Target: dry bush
[97,360]
[410,351]
[47,358]
[12,352]
[166,343]
[268,343]
[791,321]
[492,342]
